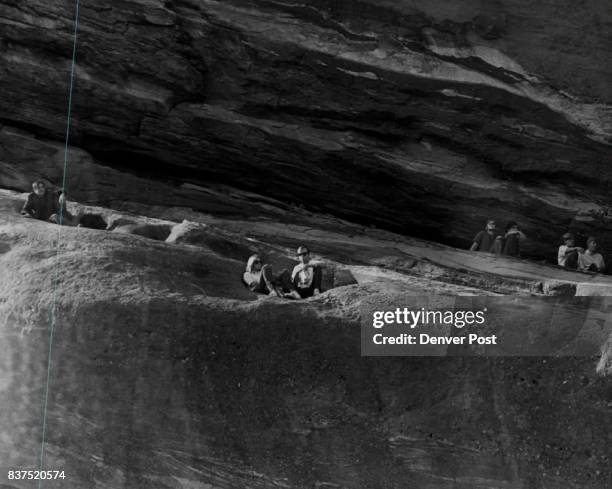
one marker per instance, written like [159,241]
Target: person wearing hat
[590,260]
[306,276]
[567,256]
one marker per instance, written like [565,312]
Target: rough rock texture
[167,373]
[424,117]
[277,119]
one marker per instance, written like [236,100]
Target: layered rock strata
[419,117]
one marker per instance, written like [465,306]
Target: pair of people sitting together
[490,241]
[303,282]
[577,258]
[48,205]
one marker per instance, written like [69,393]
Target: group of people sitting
[305,279]
[577,258]
[303,282]
[490,241]
[509,243]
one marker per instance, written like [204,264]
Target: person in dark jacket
[48,205]
[485,240]
[512,240]
[42,203]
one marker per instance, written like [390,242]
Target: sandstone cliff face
[422,117]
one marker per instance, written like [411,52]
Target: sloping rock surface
[167,373]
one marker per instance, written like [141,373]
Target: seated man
[590,260]
[567,256]
[48,205]
[261,279]
[486,240]
[512,240]
[306,277]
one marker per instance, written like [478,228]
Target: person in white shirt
[261,279]
[590,260]
[306,276]
[568,253]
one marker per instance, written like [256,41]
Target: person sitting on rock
[512,240]
[567,256]
[486,240]
[47,205]
[306,276]
[261,279]
[41,203]
[590,260]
